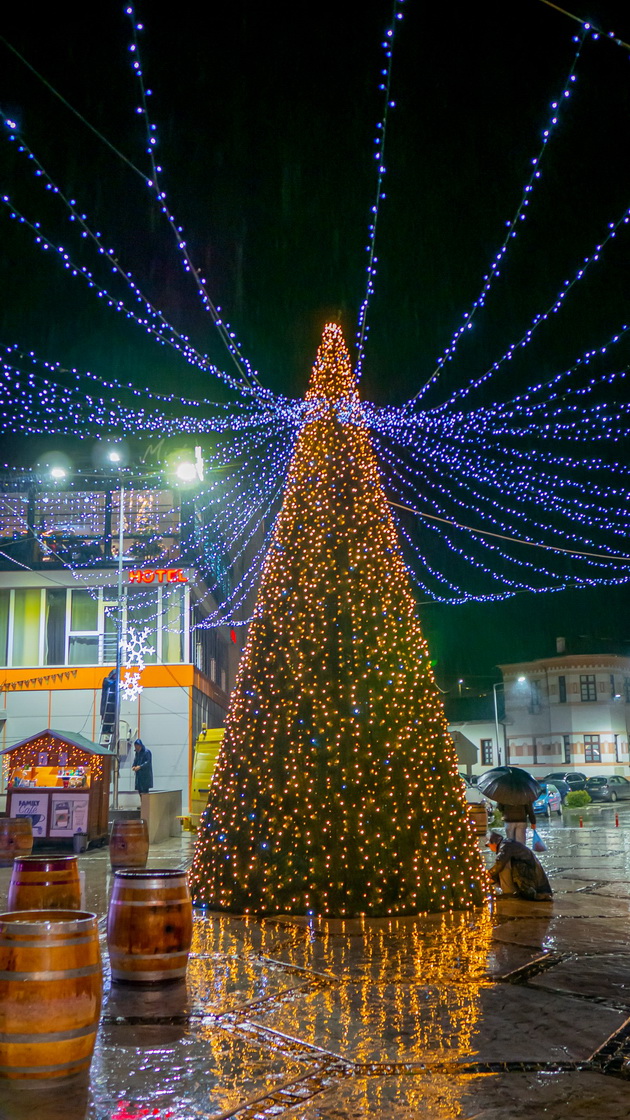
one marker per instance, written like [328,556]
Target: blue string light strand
[381,170]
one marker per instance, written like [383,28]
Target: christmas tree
[337,790]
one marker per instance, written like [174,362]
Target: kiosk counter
[61,782]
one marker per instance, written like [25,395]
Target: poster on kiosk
[32,804]
[69,814]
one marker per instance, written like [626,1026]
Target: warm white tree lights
[337,790]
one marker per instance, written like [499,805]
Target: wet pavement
[515,1012]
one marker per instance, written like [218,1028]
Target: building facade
[568,712]
[472,725]
[60,611]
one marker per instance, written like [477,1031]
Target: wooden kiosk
[61,781]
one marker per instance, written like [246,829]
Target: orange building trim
[91,676]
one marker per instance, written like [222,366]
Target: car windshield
[596,781]
[543,789]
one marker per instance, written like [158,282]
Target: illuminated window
[83,631]
[591,748]
[172,623]
[142,614]
[26,625]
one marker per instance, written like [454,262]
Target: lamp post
[497,684]
[119,627]
[187,471]
[116,456]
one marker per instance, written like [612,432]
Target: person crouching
[517,871]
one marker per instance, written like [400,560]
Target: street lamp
[186,472]
[187,467]
[501,684]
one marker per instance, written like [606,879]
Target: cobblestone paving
[517,1012]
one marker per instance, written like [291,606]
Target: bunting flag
[28,681]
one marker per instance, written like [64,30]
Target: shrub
[577,798]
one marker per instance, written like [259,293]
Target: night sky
[266,126]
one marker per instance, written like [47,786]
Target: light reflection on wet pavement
[515,1013]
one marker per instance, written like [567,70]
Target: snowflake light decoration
[135,648]
[130,687]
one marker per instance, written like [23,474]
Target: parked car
[573,778]
[481,810]
[562,787]
[549,801]
[604,788]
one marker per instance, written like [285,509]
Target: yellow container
[207,750]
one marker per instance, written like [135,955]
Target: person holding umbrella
[515,791]
[515,818]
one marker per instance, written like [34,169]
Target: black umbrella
[509,785]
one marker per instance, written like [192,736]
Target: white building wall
[163,725]
[476,731]
[540,725]
[160,718]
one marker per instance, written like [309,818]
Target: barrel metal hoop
[28,882]
[114,955]
[62,943]
[19,1072]
[61,974]
[172,974]
[53,1036]
[128,902]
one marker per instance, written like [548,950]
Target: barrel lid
[34,921]
[151,873]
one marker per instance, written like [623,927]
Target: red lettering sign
[159,575]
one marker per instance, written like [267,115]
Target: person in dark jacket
[517,870]
[108,703]
[515,818]
[143,767]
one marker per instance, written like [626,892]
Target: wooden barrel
[39,883]
[51,984]
[149,926]
[129,844]
[16,838]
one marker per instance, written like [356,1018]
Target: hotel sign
[157,575]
